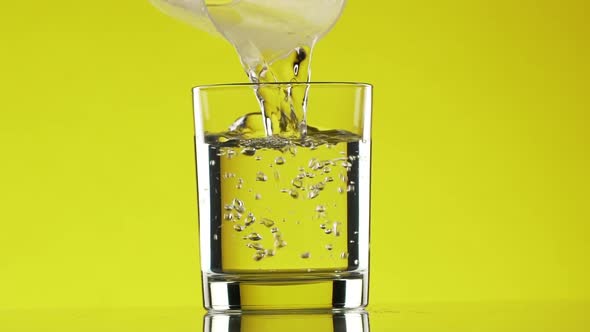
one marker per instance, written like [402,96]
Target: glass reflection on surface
[346,321]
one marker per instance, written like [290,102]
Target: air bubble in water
[323,226]
[238,228]
[258,158]
[356,262]
[255,245]
[212,163]
[280,243]
[329,179]
[215,237]
[320,185]
[313,193]
[230,154]
[228,216]
[259,255]
[320,208]
[312,162]
[261,177]
[253,237]
[267,222]
[228,207]
[344,255]
[328,231]
[274,230]
[297,183]
[279,160]
[294,193]
[346,164]
[343,178]
[238,205]
[327,169]
[329,247]
[305,255]
[250,219]
[269,252]
[248,151]
[257,196]
[336,228]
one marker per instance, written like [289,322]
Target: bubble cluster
[315,179]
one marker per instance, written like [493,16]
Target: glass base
[297,292]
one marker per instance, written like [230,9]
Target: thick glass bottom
[308,292]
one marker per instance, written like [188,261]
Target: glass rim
[321,83]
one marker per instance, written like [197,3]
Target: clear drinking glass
[284,195]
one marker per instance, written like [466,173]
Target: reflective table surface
[424,317]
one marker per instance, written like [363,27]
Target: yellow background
[481,149]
